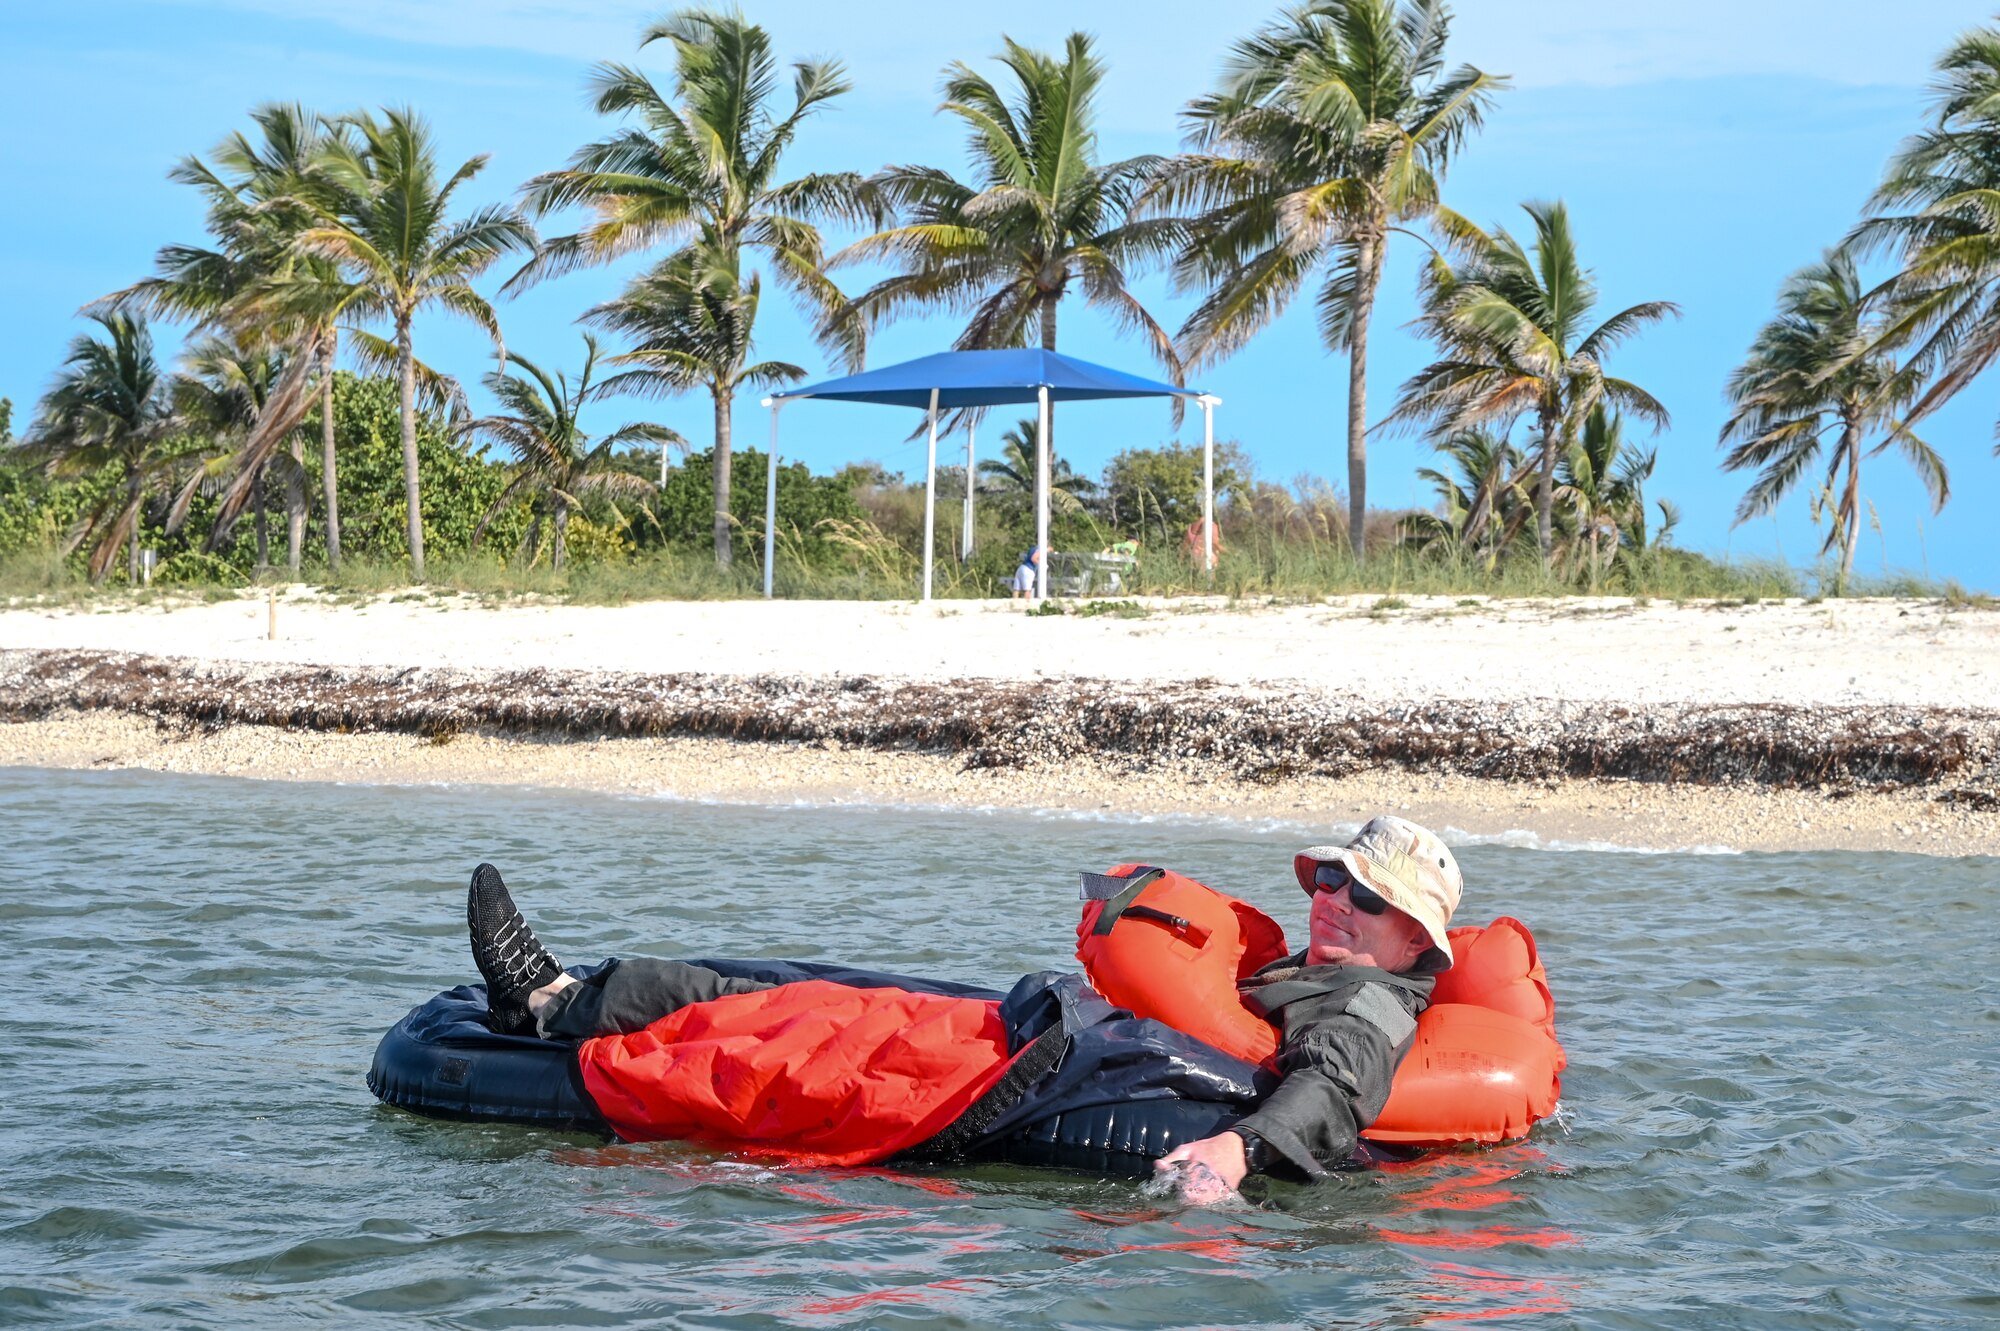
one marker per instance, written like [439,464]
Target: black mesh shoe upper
[510,958]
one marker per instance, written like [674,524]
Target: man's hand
[1209,1169]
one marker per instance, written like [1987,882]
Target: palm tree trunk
[1367,276]
[295,505]
[263,525]
[1046,317]
[1850,499]
[1545,491]
[562,533]
[138,516]
[406,374]
[720,467]
[328,481]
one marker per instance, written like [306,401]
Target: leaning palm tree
[1939,207]
[556,463]
[689,324]
[1511,321]
[1819,370]
[1041,217]
[111,406]
[1330,132]
[389,230]
[259,196]
[224,390]
[699,171]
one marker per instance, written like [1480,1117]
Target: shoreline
[1580,813]
[1780,726]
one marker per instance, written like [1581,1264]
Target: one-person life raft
[1106,1072]
[1486,1065]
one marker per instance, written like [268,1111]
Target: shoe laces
[516,951]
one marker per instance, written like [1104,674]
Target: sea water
[1780,1108]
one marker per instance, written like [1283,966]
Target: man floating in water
[1344,1009]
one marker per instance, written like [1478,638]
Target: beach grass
[1279,573]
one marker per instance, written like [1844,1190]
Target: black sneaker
[510,958]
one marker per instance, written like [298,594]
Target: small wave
[1521,838]
[1518,838]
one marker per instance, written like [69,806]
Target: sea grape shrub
[458,481]
[807,504]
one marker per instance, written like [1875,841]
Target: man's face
[1340,935]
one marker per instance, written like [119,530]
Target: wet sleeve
[1337,1066]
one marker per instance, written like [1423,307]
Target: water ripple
[1781,1107]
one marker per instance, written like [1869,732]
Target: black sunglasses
[1333,877]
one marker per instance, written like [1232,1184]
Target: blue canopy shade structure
[985,379]
[954,380]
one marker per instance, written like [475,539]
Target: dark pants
[632,994]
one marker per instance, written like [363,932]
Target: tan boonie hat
[1407,865]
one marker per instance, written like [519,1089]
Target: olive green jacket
[1342,1031]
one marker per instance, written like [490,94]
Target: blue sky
[1704,154]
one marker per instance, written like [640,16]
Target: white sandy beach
[1605,650]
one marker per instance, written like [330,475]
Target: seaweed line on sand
[1952,753]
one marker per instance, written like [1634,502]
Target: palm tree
[1602,481]
[110,406]
[1511,322]
[1012,474]
[1939,205]
[1817,369]
[1041,215]
[689,322]
[388,228]
[259,197]
[1482,504]
[557,463]
[1332,129]
[700,172]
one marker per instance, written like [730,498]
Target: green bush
[191,568]
[807,505]
[1155,493]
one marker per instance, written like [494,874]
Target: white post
[771,499]
[930,496]
[1208,480]
[971,484]
[1042,497]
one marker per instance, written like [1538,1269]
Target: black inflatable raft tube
[443,1060]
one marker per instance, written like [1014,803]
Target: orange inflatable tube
[1175,952]
[1485,1065]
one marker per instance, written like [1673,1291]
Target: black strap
[1029,1067]
[1128,892]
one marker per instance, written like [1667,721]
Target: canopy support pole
[1208,483]
[930,497]
[771,501]
[971,484]
[1042,497]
